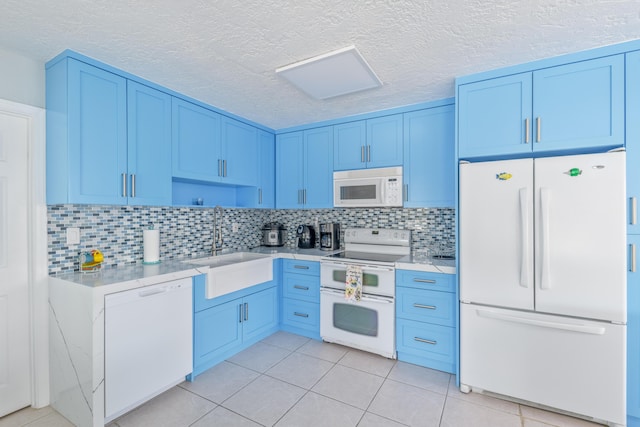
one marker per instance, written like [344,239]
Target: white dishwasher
[148,343]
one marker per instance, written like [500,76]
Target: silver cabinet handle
[406,192]
[426,341]
[362,154]
[124,185]
[224,170]
[632,255]
[295,313]
[304,288]
[133,185]
[428,307]
[633,215]
[301,267]
[538,125]
[259,196]
[246,311]
[368,153]
[526,130]
[424,280]
[219,167]
[305,196]
[239,313]
[299,197]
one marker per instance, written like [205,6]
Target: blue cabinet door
[215,331]
[349,145]
[267,163]
[318,170]
[195,142]
[239,153]
[260,313]
[149,145]
[429,157]
[494,116]
[633,140]
[384,141]
[633,332]
[289,170]
[97,135]
[579,105]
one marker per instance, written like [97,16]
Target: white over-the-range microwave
[381,187]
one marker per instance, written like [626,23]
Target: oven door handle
[366,298]
[344,265]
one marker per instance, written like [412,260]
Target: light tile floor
[289,380]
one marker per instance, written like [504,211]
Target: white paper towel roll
[151,246]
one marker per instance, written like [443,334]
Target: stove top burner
[365,256]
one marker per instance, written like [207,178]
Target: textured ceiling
[225,52]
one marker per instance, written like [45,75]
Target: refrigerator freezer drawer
[566,363]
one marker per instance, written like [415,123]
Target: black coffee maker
[306,237]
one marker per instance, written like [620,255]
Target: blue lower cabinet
[426,319]
[225,325]
[301,297]
[426,344]
[633,333]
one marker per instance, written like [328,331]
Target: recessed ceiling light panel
[332,74]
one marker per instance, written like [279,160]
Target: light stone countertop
[138,275]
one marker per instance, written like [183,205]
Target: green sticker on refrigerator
[574,172]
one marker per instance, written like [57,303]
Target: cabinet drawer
[425,280]
[426,306]
[302,287]
[301,267]
[301,314]
[430,345]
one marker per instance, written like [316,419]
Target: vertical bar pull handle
[362,154]
[259,196]
[239,313]
[219,167]
[246,311]
[368,153]
[524,238]
[545,200]
[633,215]
[526,130]
[538,125]
[133,185]
[632,256]
[406,192]
[124,185]
[224,172]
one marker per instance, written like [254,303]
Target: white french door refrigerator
[542,265]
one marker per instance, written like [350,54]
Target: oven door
[368,324]
[377,280]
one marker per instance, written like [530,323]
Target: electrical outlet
[73,236]
[235,227]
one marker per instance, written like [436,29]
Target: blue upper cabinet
[579,105]
[93,155]
[429,157]
[349,145]
[149,145]
[304,169]
[369,143]
[493,115]
[239,153]
[384,141]
[267,161]
[633,141]
[289,170]
[567,107]
[195,142]
[318,168]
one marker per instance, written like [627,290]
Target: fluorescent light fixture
[332,74]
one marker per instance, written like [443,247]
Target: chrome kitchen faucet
[217,230]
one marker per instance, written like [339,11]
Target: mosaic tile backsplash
[187,231]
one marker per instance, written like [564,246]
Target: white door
[580,236]
[15,373]
[496,233]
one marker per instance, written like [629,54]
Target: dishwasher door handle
[151,292]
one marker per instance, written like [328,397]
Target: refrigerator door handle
[545,200]
[524,238]
[585,329]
